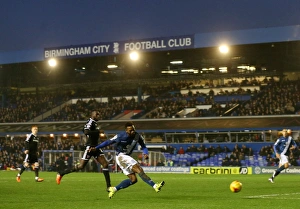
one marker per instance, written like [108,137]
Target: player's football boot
[271,179]
[112,192]
[158,186]
[58,178]
[39,180]
[18,178]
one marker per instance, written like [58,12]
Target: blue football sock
[124,184]
[281,168]
[146,179]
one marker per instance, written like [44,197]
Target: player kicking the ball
[126,142]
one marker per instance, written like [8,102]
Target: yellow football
[235,186]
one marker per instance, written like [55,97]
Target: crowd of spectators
[232,157]
[24,107]
[165,101]
[277,98]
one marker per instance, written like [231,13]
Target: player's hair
[94,111]
[34,126]
[289,132]
[128,124]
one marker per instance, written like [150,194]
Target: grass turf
[87,190]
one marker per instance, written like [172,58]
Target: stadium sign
[120,47]
[221,170]
[270,170]
[166,169]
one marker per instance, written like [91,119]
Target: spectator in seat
[181,151]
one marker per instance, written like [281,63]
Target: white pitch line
[274,195]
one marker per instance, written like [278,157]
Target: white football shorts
[283,159]
[125,162]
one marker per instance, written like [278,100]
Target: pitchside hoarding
[199,170]
[270,170]
[220,170]
[120,47]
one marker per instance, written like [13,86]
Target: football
[235,186]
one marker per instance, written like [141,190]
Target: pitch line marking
[273,195]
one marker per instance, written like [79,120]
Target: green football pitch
[87,190]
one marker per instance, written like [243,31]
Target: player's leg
[36,168]
[125,162]
[139,170]
[22,169]
[123,184]
[127,182]
[283,165]
[84,160]
[75,168]
[102,160]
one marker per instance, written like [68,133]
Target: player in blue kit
[282,149]
[125,142]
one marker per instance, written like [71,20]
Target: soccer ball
[235,186]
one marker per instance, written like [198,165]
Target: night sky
[35,24]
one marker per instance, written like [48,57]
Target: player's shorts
[283,159]
[95,153]
[31,159]
[125,162]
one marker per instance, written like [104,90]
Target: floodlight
[134,56]
[52,62]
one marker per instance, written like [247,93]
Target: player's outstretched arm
[104,144]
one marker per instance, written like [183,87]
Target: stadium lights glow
[112,66]
[223,49]
[169,72]
[252,68]
[51,135]
[52,62]
[176,62]
[211,69]
[76,134]
[195,71]
[223,69]
[134,56]
[247,67]
[65,135]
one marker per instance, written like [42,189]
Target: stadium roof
[202,40]
[276,49]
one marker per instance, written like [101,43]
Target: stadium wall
[169,125]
